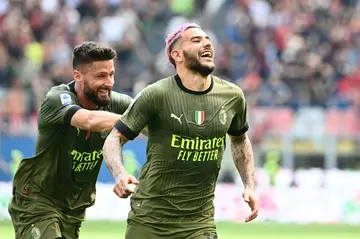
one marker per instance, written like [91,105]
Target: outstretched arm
[60,108]
[97,121]
[93,120]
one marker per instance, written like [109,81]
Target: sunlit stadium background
[296,60]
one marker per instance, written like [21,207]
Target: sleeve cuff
[70,113]
[239,132]
[124,130]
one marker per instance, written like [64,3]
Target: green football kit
[52,189]
[186,140]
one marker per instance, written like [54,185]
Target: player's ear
[176,55]
[77,75]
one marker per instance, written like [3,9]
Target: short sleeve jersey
[186,141]
[67,160]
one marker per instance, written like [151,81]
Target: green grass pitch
[115,230]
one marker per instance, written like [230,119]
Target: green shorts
[37,221]
[135,230]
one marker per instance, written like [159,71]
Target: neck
[83,99]
[194,81]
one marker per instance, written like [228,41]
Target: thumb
[133,180]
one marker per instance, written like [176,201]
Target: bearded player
[53,188]
[188,116]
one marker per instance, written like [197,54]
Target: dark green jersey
[67,160]
[186,141]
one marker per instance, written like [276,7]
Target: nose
[207,43]
[109,81]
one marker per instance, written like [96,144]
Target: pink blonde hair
[174,36]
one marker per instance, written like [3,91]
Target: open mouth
[206,54]
[103,91]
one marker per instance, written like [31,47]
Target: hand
[123,188]
[250,198]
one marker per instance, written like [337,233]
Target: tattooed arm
[135,119]
[244,159]
[113,157]
[112,152]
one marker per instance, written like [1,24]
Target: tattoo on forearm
[113,153]
[244,159]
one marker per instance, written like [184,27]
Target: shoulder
[119,102]
[61,95]
[156,90]
[228,87]
[119,98]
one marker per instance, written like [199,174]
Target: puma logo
[175,117]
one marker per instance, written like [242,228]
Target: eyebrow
[104,72]
[198,37]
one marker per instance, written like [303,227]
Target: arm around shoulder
[94,120]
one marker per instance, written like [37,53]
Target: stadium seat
[256,118]
[342,122]
[281,120]
[275,121]
[309,123]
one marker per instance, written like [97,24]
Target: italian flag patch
[199,117]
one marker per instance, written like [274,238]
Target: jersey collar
[72,87]
[183,88]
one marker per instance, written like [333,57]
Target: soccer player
[52,189]
[188,116]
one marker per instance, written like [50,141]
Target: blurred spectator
[284,52]
[6,71]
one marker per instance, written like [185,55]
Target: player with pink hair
[174,36]
[187,116]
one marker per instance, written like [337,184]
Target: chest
[197,115]
[84,140]
[83,149]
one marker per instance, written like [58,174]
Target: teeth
[206,54]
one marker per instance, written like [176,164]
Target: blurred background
[297,62]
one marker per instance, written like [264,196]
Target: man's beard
[194,65]
[91,94]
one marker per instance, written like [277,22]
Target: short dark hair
[88,52]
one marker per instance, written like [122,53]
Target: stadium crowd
[281,52]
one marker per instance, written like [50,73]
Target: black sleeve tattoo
[112,152]
[244,159]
